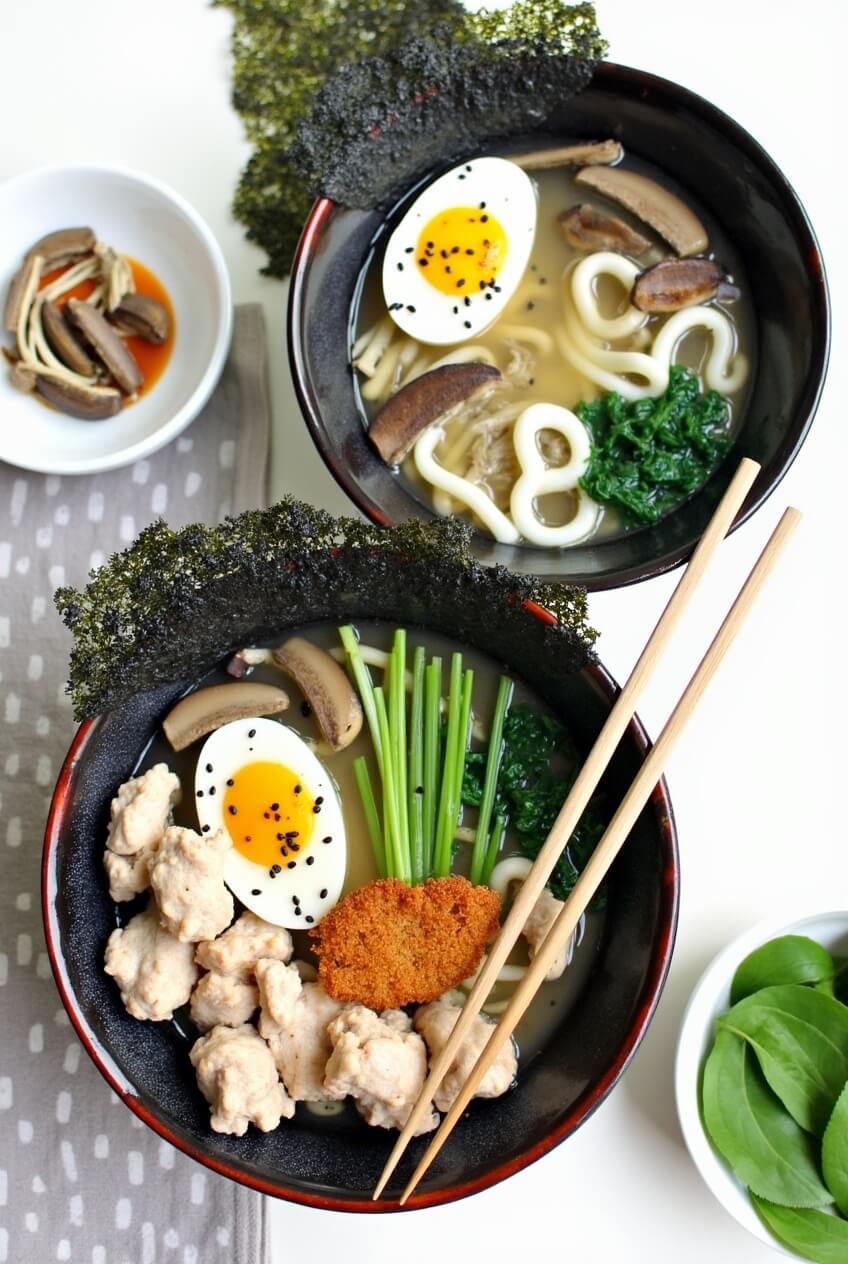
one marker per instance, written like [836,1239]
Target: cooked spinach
[649,455]
[540,762]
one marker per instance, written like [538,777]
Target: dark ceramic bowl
[738,187]
[336,1166]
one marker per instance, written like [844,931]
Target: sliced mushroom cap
[106,344]
[90,403]
[199,713]
[654,205]
[22,378]
[587,228]
[428,397]
[585,154]
[676,283]
[145,316]
[62,246]
[326,688]
[19,288]
[63,342]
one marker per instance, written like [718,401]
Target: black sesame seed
[322,894]
[482,284]
[284,851]
[489,297]
[430,245]
[310,860]
[316,808]
[482,206]
[422,263]
[267,815]
[328,839]
[530,381]
[298,912]
[460,283]
[294,846]
[208,767]
[419,789]
[205,829]
[251,733]
[454,250]
[248,838]
[276,868]
[469,251]
[230,781]
[443,253]
[456,311]
[211,789]
[400,267]
[298,789]
[410,308]
[409,250]
[200,794]
[467,324]
[233,810]
[320,799]
[295,899]
[256,891]
[291,864]
[276,816]
[448,268]
[468,166]
[271,873]
[275,807]
[310,919]
[496,288]
[280,837]
[484,219]
[462,177]
[467,301]
[530,305]
[543,280]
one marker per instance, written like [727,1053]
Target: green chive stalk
[397,747]
[494,847]
[372,819]
[432,738]
[415,787]
[444,826]
[365,686]
[490,782]
[395,859]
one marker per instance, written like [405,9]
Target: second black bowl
[741,188]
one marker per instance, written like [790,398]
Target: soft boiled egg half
[260,783]
[460,251]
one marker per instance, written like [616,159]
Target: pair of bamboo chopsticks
[571,811]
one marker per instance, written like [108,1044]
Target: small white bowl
[143,218]
[710,999]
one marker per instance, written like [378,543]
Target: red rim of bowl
[307,249]
[60,809]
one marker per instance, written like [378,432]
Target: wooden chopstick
[584,787]
[614,837]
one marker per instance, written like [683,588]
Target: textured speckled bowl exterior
[740,190]
[335,1166]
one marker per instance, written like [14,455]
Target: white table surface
[757,784]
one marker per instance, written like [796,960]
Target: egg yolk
[461,250]
[270,815]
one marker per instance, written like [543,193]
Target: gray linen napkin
[81,1179]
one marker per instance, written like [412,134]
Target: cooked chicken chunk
[436,1021]
[187,880]
[237,1076]
[219,1001]
[300,1047]
[154,971]
[381,1062]
[141,809]
[545,912]
[280,989]
[237,951]
[128,875]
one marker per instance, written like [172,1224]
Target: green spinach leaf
[800,1037]
[788,959]
[649,455]
[814,1234]
[835,1152]
[752,1129]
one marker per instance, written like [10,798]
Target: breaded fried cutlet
[387,945]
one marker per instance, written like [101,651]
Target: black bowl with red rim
[332,1165]
[737,185]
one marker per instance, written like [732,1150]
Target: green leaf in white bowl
[800,1037]
[754,1131]
[835,1153]
[787,959]
[813,1234]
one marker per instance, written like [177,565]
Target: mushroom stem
[584,154]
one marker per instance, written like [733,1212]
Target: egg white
[415,305]
[227,750]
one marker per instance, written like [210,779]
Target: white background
[758,784]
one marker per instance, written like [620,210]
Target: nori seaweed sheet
[176,602]
[379,125]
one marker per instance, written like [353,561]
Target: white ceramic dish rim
[711,997]
[199,396]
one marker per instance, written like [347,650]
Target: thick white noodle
[371,346]
[538,338]
[537,479]
[607,368]
[473,497]
[506,974]
[724,369]
[584,291]
[505,872]
[379,384]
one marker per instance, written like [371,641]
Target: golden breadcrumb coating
[387,945]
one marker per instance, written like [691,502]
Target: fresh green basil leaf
[800,1037]
[753,1130]
[813,1234]
[835,1152]
[789,959]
